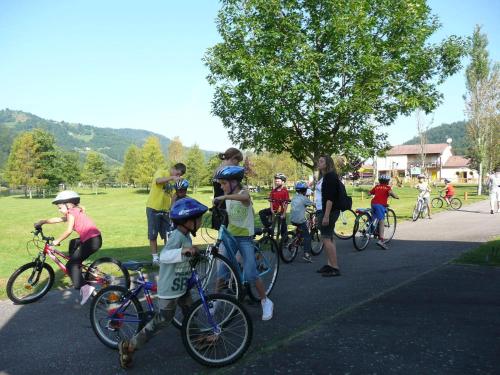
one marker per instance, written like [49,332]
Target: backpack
[343,201]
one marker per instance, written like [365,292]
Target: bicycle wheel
[289,249]
[416,211]
[455,203]
[361,231]
[114,316]
[316,243]
[344,227]
[217,275]
[437,202]
[221,337]
[424,212]
[30,282]
[267,259]
[389,225]
[104,272]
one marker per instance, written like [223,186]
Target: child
[181,187]
[425,192]
[449,191]
[241,227]
[186,213]
[79,248]
[158,204]
[279,199]
[297,216]
[381,193]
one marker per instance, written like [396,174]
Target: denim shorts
[246,249]
[158,223]
[327,231]
[378,211]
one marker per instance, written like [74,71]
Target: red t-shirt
[279,199]
[450,190]
[381,194]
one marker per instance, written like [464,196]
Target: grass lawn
[488,254]
[121,216]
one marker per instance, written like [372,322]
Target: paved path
[389,312]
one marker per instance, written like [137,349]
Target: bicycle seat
[258,231]
[133,265]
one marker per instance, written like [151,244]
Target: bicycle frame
[373,227]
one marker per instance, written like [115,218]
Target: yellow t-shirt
[159,199]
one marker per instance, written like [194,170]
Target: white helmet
[67,196]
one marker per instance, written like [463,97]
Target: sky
[138,64]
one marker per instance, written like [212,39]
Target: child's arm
[54,220]
[243,197]
[393,194]
[71,223]
[175,255]
[164,180]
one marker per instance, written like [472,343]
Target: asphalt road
[389,312]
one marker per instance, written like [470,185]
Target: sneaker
[323,269]
[498,211]
[491,212]
[331,272]
[307,257]
[382,245]
[85,292]
[267,309]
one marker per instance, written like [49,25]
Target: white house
[440,163]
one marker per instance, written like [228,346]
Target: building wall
[386,163]
[464,174]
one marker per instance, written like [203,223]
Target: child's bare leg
[381,230]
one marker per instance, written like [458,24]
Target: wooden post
[466,196]
[362,195]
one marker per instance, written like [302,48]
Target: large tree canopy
[320,76]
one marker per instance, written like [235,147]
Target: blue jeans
[304,232]
[246,249]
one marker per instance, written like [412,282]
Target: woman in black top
[232,156]
[329,215]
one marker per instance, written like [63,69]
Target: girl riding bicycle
[79,248]
[186,214]
[241,227]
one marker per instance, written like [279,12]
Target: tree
[320,77]
[422,129]
[195,167]
[482,104]
[151,159]
[23,165]
[94,170]
[175,151]
[129,171]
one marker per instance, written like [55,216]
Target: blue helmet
[231,172]
[182,184]
[187,208]
[384,178]
[301,186]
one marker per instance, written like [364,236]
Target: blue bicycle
[216,331]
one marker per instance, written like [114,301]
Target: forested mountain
[456,131]
[111,143]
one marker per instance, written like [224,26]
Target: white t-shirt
[424,190]
[317,195]
[494,183]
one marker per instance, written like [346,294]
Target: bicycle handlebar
[39,232]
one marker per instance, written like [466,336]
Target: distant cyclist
[424,192]
[279,199]
[298,216]
[449,191]
[381,194]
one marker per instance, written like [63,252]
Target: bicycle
[33,280]
[117,314]
[312,224]
[439,201]
[421,210]
[344,227]
[366,227]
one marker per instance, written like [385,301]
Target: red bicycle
[33,280]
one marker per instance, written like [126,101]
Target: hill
[111,143]
[456,131]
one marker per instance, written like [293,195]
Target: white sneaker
[382,245]
[85,292]
[267,309]
[498,211]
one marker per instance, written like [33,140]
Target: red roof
[437,148]
[456,161]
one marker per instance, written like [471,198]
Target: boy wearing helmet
[175,271]
[449,190]
[279,199]
[424,192]
[241,227]
[381,193]
[298,216]
[79,248]
[181,187]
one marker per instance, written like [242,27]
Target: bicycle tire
[390,221]
[107,300]
[455,203]
[208,274]
[288,250]
[12,289]
[229,316]
[316,243]
[104,272]
[416,211]
[344,229]
[362,232]
[267,259]
[437,202]
[424,211]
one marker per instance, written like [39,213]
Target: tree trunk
[480,180]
